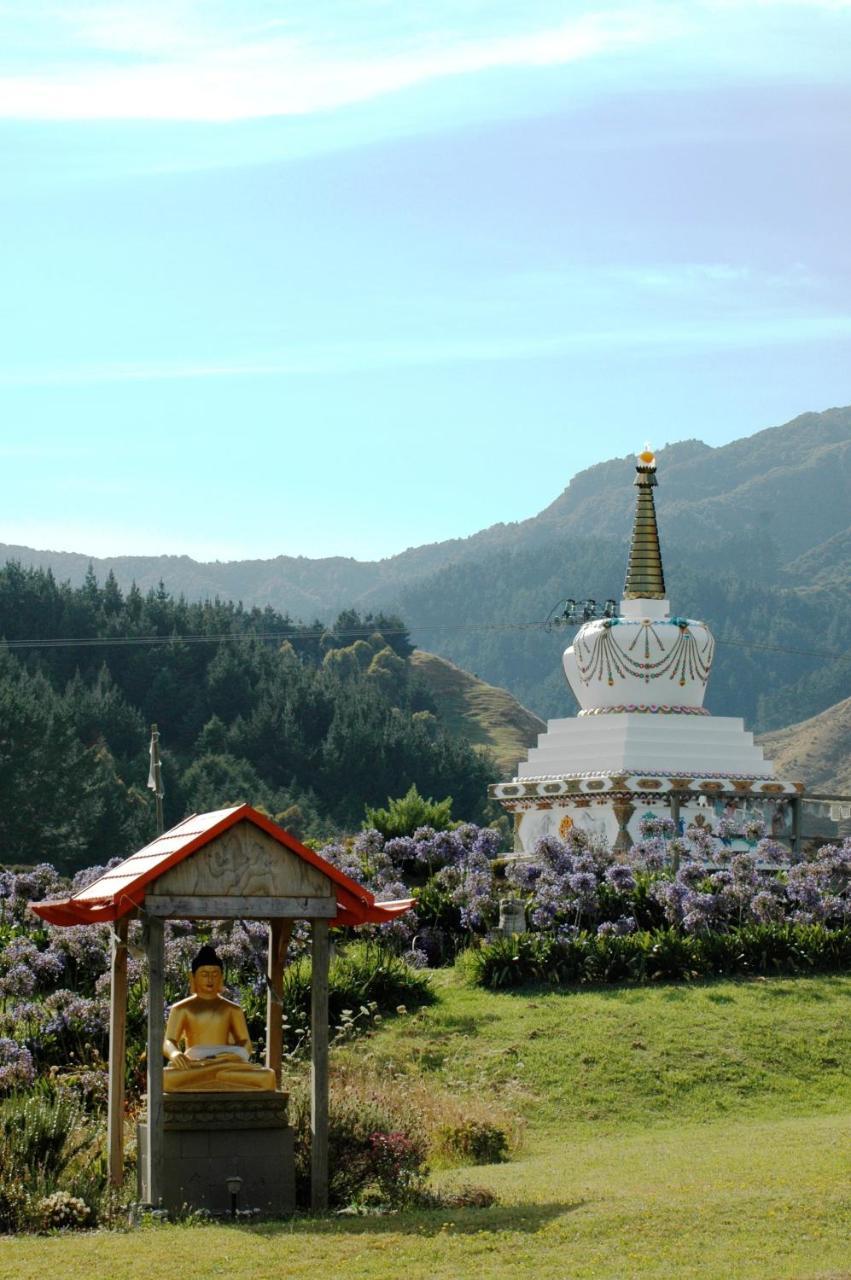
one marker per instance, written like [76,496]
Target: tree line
[309,722]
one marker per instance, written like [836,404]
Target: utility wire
[104,642]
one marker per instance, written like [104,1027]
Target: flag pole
[155,777]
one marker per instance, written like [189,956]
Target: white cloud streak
[166,67]
[192,60]
[357,358]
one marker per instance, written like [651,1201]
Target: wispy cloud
[348,358]
[194,60]
[123,62]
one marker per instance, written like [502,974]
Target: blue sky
[341,278]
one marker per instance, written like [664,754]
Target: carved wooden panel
[245,862]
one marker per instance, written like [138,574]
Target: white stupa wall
[635,742]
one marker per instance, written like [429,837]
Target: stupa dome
[643,659]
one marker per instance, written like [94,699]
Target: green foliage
[361,975]
[314,727]
[55,793]
[660,955]
[52,1175]
[402,817]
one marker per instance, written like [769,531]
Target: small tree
[403,817]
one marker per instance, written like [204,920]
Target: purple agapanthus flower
[16,1065]
[621,878]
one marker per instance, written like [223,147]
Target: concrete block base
[210,1137]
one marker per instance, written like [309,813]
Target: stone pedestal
[209,1137]
[512,917]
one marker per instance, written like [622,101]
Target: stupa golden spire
[644,577]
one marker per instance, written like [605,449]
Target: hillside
[754,536]
[826,566]
[482,713]
[791,482]
[817,750]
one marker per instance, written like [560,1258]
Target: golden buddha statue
[215,1035]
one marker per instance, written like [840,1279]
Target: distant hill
[483,714]
[792,482]
[817,750]
[756,539]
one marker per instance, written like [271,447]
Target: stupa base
[612,805]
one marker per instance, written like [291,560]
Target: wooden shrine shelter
[230,864]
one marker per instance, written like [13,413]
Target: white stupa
[643,742]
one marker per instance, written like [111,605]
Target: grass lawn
[671,1132]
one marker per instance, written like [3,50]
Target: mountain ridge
[756,539]
[802,469]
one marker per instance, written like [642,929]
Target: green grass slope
[698,1132]
[483,713]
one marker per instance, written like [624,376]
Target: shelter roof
[122,888]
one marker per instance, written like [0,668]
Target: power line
[279,637]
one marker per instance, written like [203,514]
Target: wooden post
[117,1052]
[674,804]
[279,940]
[623,810]
[156,1031]
[796,825]
[319,1069]
[156,777]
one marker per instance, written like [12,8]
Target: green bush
[52,1170]
[403,816]
[376,1152]
[365,982]
[472,1142]
[40,1133]
[657,955]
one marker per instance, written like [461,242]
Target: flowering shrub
[48,1145]
[61,1209]
[376,1150]
[16,1065]
[449,872]
[397,1165]
[696,883]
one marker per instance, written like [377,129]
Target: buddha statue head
[208,975]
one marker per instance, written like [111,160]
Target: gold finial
[644,577]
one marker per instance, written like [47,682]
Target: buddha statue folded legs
[214,1033]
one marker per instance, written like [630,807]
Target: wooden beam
[279,940]
[117,1052]
[156,1032]
[201,907]
[319,1068]
[795,805]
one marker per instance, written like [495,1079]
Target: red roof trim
[356,905]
